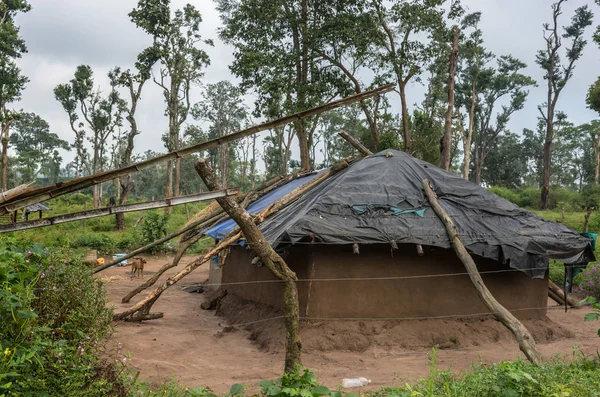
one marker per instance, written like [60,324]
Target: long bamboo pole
[521,333]
[105,211]
[48,192]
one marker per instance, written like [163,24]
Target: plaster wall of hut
[379,283]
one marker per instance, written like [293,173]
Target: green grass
[99,233]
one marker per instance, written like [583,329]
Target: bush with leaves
[589,281]
[154,227]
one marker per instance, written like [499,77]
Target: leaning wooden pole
[120,209]
[51,191]
[183,247]
[521,333]
[355,143]
[143,307]
[273,261]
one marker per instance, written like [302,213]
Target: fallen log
[521,333]
[14,192]
[272,261]
[233,236]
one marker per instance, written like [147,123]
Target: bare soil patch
[200,348]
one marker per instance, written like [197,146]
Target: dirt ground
[195,347]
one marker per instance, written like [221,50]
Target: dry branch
[14,192]
[355,143]
[50,191]
[233,236]
[521,333]
[273,261]
[556,290]
[105,211]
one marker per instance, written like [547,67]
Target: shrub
[101,242]
[589,281]
[55,321]
[154,227]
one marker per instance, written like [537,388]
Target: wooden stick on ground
[556,290]
[272,261]
[355,143]
[521,333]
[145,305]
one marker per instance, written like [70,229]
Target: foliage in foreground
[557,378]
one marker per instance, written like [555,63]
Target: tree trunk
[272,261]
[5,140]
[252,186]
[521,333]
[478,167]
[597,162]
[169,189]
[586,220]
[447,139]
[355,143]
[405,125]
[546,176]
[177,182]
[304,149]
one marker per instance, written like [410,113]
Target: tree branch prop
[272,261]
[355,143]
[521,333]
[77,216]
[51,191]
[144,305]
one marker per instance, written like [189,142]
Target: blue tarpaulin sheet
[221,230]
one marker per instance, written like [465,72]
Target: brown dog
[137,265]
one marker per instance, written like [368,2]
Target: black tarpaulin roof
[379,199]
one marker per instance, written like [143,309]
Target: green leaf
[320,391]
[591,317]
[236,389]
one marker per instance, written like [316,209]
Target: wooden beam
[272,261]
[521,333]
[354,142]
[77,216]
[51,191]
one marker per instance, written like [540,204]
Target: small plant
[589,282]
[595,314]
[300,382]
[154,227]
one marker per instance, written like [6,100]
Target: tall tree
[446,146]
[35,146]
[176,38]
[133,82]
[472,74]
[12,81]
[404,52]
[223,108]
[505,80]
[280,52]
[101,115]
[557,74]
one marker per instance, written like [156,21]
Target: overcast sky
[62,34]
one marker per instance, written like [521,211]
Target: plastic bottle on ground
[355,382]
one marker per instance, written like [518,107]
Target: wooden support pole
[144,305]
[521,333]
[273,261]
[51,191]
[355,143]
[105,211]
[556,290]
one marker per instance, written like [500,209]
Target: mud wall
[409,296]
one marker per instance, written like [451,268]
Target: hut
[365,244]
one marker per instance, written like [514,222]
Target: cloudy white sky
[62,34]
